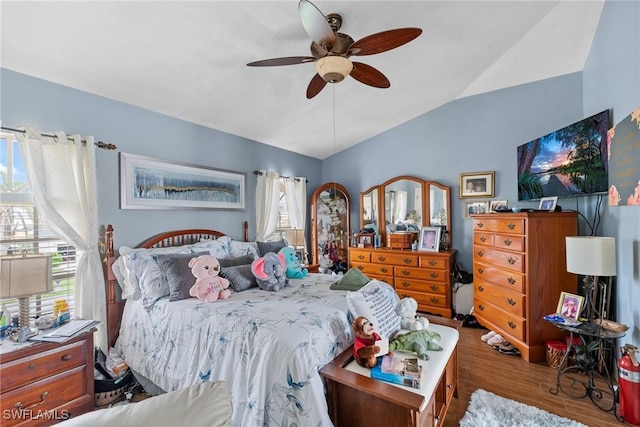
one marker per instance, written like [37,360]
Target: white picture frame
[548,203]
[429,239]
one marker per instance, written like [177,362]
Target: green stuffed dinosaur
[419,341]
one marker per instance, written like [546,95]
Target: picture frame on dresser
[430,239]
[548,203]
[471,208]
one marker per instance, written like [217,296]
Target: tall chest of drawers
[519,271]
[424,276]
[46,383]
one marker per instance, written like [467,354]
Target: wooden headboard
[161,240]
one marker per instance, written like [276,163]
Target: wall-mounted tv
[571,161]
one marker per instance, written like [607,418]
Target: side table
[583,371]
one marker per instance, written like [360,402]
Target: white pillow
[377,302]
[238,248]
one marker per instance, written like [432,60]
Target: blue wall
[478,133]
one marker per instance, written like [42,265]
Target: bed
[267,346]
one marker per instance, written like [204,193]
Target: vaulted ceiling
[188,59]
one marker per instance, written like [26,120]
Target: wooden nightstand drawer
[420,273]
[45,395]
[511,260]
[513,302]
[403,284]
[395,259]
[42,365]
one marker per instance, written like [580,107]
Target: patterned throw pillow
[377,302]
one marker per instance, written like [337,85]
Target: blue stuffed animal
[295,269]
[269,271]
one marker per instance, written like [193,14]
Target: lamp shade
[24,276]
[591,256]
[333,69]
[295,237]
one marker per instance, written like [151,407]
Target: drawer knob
[384,269]
[406,284]
[66,357]
[360,257]
[434,300]
[507,242]
[512,260]
[434,275]
[481,288]
[480,253]
[43,397]
[511,226]
[511,280]
[32,366]
[434,287]
[512,325]
[480,225]
[480,270]
[511,302]
[360,267]
[381,258]
[405,272]
[481,307]
[405,295]
[483,239]
[432,262]
[406,261]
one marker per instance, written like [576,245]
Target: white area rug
[490,410]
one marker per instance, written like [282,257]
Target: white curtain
[62,176]
[295,190]
[267,204]
[401,206]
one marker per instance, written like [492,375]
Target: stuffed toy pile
[295,269]
[209,286]
[270,272]
[418,341]
[364,347]
[407,310]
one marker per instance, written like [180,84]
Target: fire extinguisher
[629,384]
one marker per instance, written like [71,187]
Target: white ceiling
[188,59]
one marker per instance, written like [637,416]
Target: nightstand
[45,383]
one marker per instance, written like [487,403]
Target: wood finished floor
[480,366]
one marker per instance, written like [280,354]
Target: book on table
[398,370]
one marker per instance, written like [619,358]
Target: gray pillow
[240,277]
[239,260]
[178,273]
[275,246]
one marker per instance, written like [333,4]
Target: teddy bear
[418,341]
[208,286]
[270,271]
[407,310]
[364,346]
[295,269]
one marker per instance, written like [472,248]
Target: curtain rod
[297,179]
[99,144]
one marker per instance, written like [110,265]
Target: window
[284,230]
[21,229]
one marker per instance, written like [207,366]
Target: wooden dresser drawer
[406,259]
[433,262]
[424,298]
[504,225]
[43,364]
[508,322]
[511,242]
[420,273]
[510,301]
[499,276]
[482,238]
[401,284]
[511,260]
[359,256]
[374,269]
[46,394]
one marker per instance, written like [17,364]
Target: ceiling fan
[331,50]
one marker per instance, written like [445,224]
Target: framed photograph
[471,208]
[548,203]
[365,239]
[476,184]
[148,183]
[430,239]
[570,305]
[498,205]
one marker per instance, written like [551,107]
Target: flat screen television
[571,161]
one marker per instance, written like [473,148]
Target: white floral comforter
[267,346]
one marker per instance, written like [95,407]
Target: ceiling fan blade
[384,41]
[315,23]
[315,86]
[368,75]
[288,60]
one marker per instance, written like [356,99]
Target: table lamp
[593,257]
[25,276]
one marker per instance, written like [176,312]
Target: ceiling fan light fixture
[333,69]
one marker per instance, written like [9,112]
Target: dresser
[519,271]
[423,276]
[45,383]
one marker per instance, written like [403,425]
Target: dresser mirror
[407,203]
[330,225]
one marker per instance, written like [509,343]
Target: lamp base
[23,320]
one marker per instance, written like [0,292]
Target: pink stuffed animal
[209,286]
